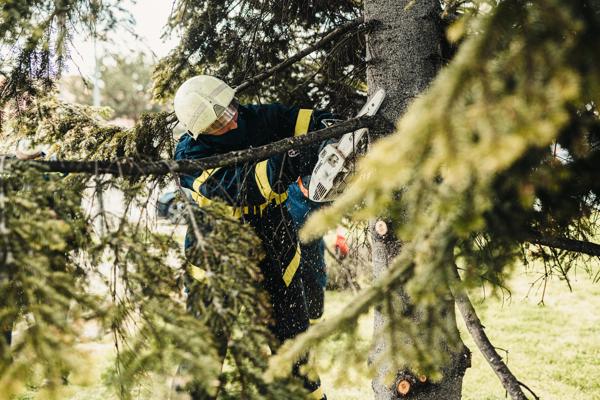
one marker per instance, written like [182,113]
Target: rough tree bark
[404,55]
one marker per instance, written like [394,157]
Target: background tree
[126,86]
[237,41]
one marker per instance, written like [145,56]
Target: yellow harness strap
[302,121]
[197,273]
[197,194]
[261,175]
[317,394]
[292,267]
[204,201]
[262,181]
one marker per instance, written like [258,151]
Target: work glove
[302,161]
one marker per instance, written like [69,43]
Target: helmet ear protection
[204,104]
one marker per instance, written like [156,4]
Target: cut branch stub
[403,387]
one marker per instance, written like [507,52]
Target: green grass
[554,348]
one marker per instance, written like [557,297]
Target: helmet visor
[225,116]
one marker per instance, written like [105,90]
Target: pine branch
[127,167]
[562,243]
[476,329]
[355,23]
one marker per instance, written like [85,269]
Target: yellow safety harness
[199,274]
[317,394]
[260,175]
[270,196]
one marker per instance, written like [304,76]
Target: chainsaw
[337,161]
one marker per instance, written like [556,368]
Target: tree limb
[562,243]
[476,329]
[301,54]
[125,167]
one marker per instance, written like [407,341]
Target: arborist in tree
[255,193]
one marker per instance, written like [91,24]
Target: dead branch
[129,167]
[562,243]
[476,329]
[355,23]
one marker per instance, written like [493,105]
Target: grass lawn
[554,348]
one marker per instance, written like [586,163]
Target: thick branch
[567,244]
[300,55]
[163,167]
[476,329]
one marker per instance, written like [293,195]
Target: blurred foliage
[35,37]
[42,230]
[82,132]
[126,86]
[503,145]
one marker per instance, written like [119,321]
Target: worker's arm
[251,184]
[284,122]
[264,181]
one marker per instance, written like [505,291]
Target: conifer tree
[494,162]
[404,57]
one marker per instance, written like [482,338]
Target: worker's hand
[301,162]
[25,150]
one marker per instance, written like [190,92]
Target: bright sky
[150,16]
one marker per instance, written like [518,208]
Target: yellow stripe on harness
[203,178]
[317,394]
[197,195]
[262,181]
[204,201]
[197,273]
[292,267]
[302,122]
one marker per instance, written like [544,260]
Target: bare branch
[355,23]
[562,243]
[163,167]
[476,329]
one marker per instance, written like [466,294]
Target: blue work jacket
[249,188]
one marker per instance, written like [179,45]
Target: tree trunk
[404,55]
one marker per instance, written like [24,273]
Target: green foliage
[238,40]
[81,131]
[153,330]
[50,261]
[474,161]
[42,231]
[504,144]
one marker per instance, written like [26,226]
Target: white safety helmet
[204,104]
